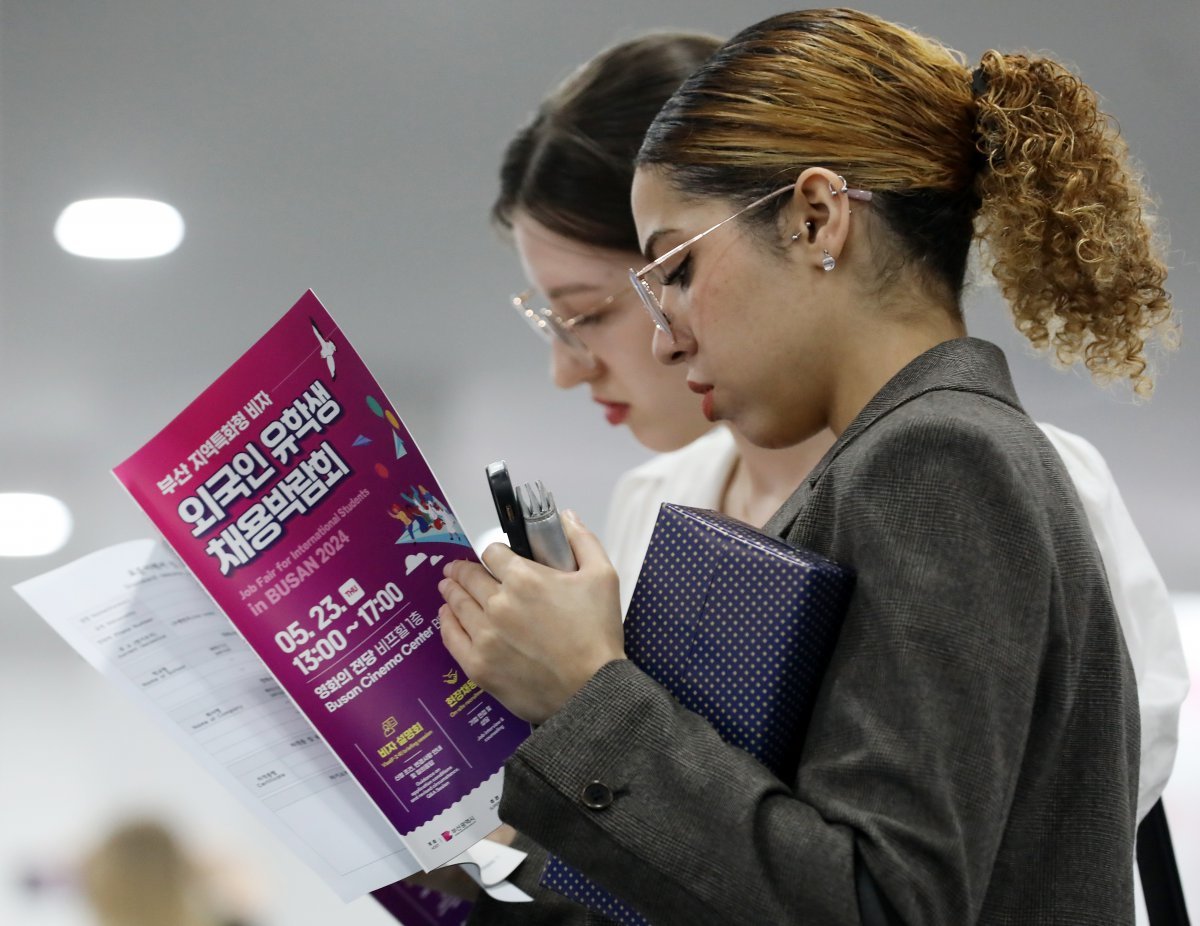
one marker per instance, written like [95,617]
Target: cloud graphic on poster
[413,561]
[434,560]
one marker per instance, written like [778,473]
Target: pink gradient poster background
[294,493]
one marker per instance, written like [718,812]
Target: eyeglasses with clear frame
[550,326]
[641,279]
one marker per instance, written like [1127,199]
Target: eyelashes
[680,275]
[582,321]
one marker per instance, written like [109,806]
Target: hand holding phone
[530,519]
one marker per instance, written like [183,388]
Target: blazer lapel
[962,364]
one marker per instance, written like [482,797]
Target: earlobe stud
[827,262]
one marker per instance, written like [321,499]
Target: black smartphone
[507,508]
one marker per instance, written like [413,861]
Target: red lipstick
[615,413]
[706,403]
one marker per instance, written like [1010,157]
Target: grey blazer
[974,747]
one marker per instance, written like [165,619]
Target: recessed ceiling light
[31,524]
[119,229]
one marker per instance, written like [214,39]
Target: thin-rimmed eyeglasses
[639,277]
[551,326]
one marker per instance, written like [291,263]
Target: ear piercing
[808,226]
[827,261]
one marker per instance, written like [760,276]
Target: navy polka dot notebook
[739,627]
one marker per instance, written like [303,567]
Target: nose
[672,348]
[569,367]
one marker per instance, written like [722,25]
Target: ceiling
[352,148]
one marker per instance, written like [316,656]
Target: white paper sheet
[137,615]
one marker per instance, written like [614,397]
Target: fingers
[497,557]
[473,578]
[462,601]
[500,560]
[504,835]
[589,551]
[454,636]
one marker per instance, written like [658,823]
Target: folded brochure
[293,492]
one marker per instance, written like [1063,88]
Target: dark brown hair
[1015,152]
[571,167]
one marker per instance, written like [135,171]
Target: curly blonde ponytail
[1066,220]
[1049,189]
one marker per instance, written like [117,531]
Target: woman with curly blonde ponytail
[807,202]
[1065,220]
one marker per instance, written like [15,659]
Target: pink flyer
[296,496]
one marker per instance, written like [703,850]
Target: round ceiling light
[119,229]
[31,524]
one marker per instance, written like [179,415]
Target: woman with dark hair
[807,201]
[564,197]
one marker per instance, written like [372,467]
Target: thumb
[587,547]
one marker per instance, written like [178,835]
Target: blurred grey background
[352,148]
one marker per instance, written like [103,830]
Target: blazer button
[596,795]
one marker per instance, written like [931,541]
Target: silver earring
[827,262]
[808,227]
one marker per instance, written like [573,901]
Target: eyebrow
[648,248]
[571,289]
